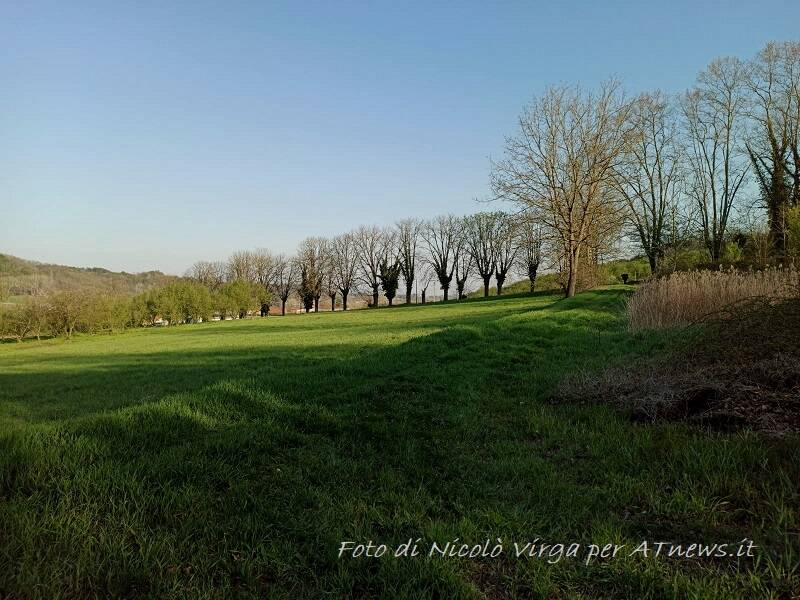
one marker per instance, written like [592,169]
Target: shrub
[144,309]
[19,321]
[179,302]
[104,312]
[66,311]
[684,298]
[242,297]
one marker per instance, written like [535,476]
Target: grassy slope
[608,274]
[213,458]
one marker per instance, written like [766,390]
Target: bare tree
[285,279]
[507,248]
[530,242]
[345,263]
[713,112]
[464,263]
[408,232]
[425,279]
[481,245]
[650,175]
[240,266]
[208,273]
[774,149]
[561,166]
[331,288]
[264,271]
[371,246]
[442,236]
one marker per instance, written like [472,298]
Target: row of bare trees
[375,260]
[589,165]
[586,169]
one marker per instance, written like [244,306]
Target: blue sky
[149,135]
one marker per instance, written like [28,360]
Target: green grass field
[233,458]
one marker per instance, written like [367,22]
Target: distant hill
[20,277]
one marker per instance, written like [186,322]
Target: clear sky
[148,135]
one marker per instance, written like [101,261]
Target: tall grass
[684,298]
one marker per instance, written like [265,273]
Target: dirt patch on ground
[737,368]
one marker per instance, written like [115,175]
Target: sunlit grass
[204,460]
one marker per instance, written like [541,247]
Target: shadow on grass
[242,470]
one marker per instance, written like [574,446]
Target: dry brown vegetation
[738,367]
[685,298]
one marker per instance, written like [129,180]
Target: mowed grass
[233,458]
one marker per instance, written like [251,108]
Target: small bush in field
[684,298]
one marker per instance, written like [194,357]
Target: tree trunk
[333,302]
[265,310]
[573,275]
[572,279]
[408,293]
[716,250]
[500,281]
[445,291]
[423,296]
[777,226]
[283,307]
[316,303]
[344,300]
[486,280]
[374,297]
[390,301]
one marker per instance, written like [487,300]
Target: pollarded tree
[311,255]
[331,288]
[651,173]
[562,167]
[507,248]
[480,236]
[370,244]
[344,257]
[408,233]
[442,236]
[714,113]
[285,279]
[530,242]
[307,288]
[464,264]
[390,277]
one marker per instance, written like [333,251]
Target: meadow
[233,458]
